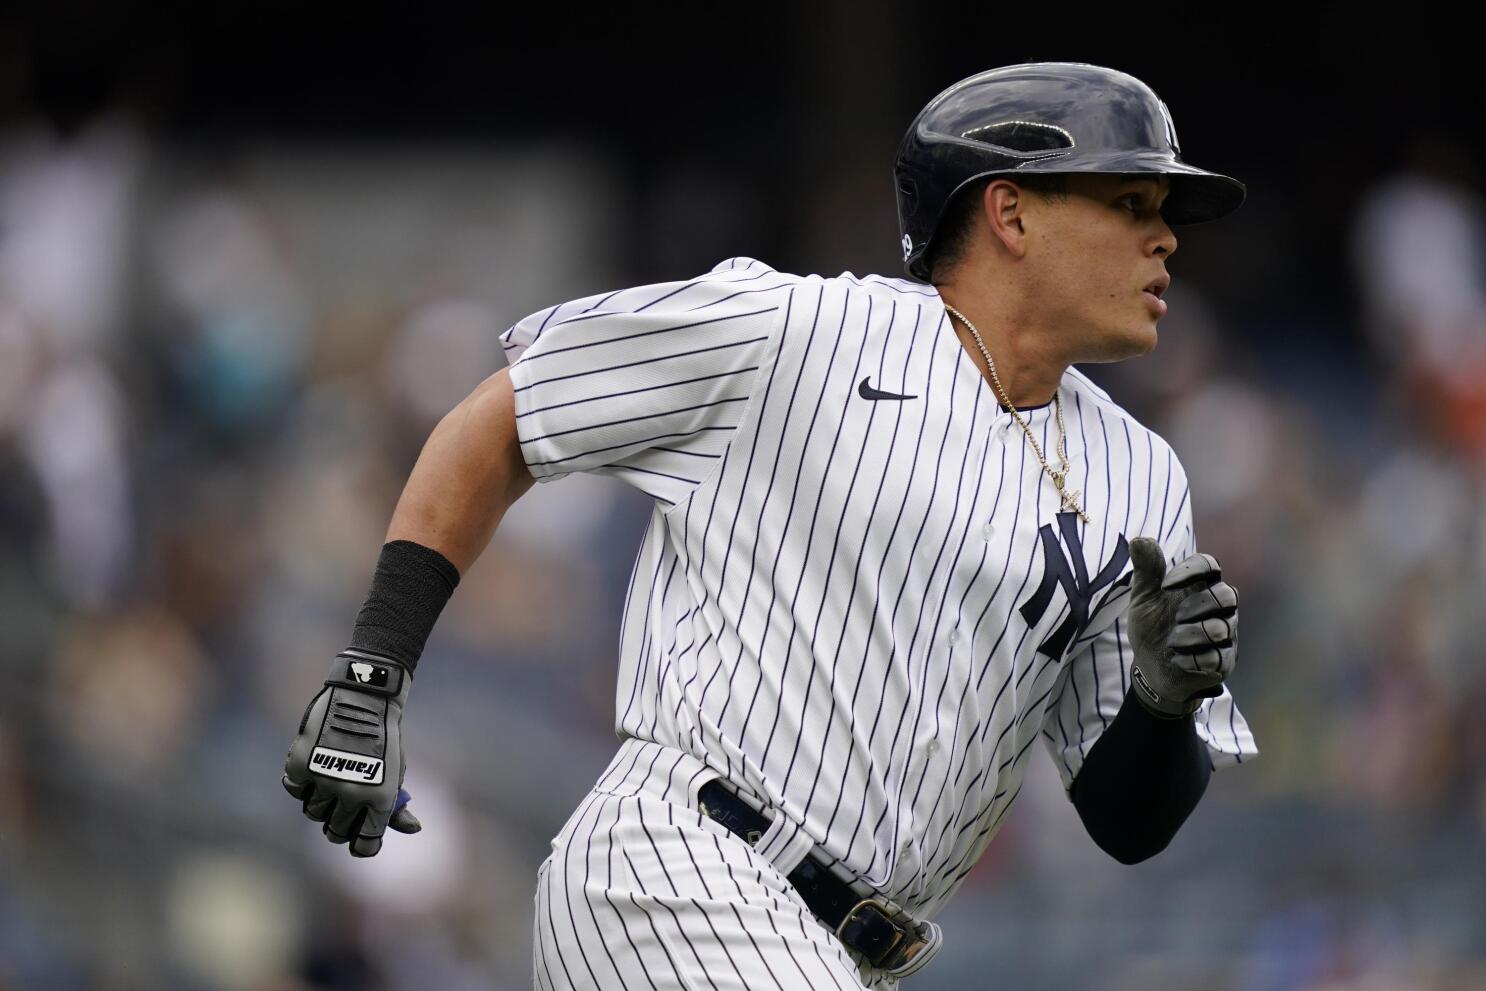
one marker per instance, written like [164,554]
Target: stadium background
[249,255]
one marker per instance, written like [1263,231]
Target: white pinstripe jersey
[863,610]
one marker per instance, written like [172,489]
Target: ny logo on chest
[1074,578]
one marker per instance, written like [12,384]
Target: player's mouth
[1153,294]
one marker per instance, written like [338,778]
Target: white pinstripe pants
[643,892]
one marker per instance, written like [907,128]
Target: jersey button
[987,531]
[954,636]
[932,747]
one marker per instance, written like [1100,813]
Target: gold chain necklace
[1059,477]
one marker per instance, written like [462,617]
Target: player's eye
[1131,202]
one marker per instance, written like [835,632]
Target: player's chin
[1143,340]
[1129,341]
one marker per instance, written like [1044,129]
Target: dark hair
[955,227]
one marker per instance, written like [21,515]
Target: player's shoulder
[733,285]
[1123,428]
[734,289]
[1086,390]
[902,291]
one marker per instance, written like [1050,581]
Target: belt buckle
[912,945]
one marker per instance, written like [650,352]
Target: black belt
[863,925]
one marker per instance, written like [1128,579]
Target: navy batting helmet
[1044,117]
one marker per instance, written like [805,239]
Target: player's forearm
[468,475]
[1140,781]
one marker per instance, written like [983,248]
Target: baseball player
[897,538]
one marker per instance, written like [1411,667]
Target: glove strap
[1155,703]
[367,672]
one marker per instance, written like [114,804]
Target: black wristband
[409,589]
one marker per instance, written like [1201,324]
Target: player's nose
[1163,242]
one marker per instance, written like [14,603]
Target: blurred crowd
[217,366]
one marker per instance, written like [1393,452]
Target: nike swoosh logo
[867,392]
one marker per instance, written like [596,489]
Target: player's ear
[1004,207]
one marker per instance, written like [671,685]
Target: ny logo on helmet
[907,246]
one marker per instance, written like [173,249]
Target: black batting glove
[1183,630]
[346,763]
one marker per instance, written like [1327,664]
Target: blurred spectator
[239,315]
[65,223]
[1419,247]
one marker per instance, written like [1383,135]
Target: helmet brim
[1196,197]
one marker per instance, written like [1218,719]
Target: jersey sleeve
[645,384]
[1097,677]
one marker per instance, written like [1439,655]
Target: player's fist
[1183,629]
[346,763]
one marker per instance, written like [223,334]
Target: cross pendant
[1070,502]
[1069,496]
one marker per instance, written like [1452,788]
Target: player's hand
[346,763]
[1183,628]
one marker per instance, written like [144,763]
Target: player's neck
[1029,369]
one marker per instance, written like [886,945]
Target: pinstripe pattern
[643,892]
[646,384]
[846,606]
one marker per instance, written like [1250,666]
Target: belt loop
[784,844]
